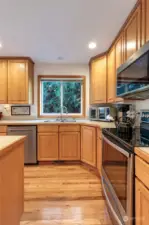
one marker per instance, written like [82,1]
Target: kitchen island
[11,179]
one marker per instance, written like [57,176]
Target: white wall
[54,69]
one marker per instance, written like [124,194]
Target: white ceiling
[47,29]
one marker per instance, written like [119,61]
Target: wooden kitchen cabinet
[47,146]
[3,129]
[99,151]
[119,51]
[88,145]
[111,76]
[133,33]
[145,21]
[3,81]
[119,57]
[69,146]
[20,81]
[141,187]
[98,80]
[142,204]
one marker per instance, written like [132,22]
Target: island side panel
[12,186]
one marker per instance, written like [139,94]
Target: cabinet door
[119,57]
[98,80]
[111,76]
[3,134]
[88,145]
[99,154]
[69,146]
[145,21]
[47,146]
[142,204]
[133,34]
[3,81]
[17,82]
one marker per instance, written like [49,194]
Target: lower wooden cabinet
[142,204]
[99,154]
[3,134]
[47,146]
[69,146]
[88,145]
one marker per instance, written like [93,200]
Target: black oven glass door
[115,165]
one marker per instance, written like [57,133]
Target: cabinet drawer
[3,129]
[142,171]
[70,128]
[3,134]
[47,128]
[99,133]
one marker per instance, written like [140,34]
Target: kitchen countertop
[7,142]
[39,122]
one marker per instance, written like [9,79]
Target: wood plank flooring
[63,195]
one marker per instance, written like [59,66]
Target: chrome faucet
[60,118]
[66,111]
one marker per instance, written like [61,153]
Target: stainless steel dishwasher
[30,152]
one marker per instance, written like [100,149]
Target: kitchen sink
[68,120]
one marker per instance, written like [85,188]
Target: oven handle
[116,147]
[110,205]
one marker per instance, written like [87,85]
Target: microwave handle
[115,146]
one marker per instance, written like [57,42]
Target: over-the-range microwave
[99,113]
[133,76]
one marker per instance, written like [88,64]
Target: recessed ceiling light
[92,45]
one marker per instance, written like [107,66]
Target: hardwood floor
[63,195]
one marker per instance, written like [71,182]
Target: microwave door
[93,113]
[102,115]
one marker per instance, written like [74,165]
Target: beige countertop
[39,122]
[7,142]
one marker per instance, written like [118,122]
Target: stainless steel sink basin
[68,120]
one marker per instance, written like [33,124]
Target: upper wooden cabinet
[111,76]
[98,80]
[20,75]
[133,33]
[119,51]
[88,145]
[145,21]
[16,85]
[119,57]
[3,81]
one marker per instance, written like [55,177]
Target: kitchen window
[61,95]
